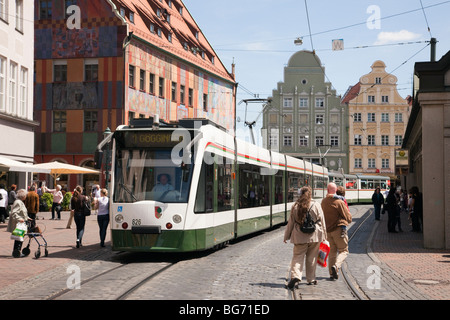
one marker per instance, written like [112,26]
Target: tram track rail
[113,273]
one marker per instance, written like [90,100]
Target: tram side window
[370,184]
[308,180]
[364,184]
[224,187]
[351,184]
[295,182]
[253,187]
[205,190]
[279,190]
[383,185]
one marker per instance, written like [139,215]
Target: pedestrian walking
[417,209]
[18,214]
[378,201]
[77,202]
[32,205]
[3,203]
[391,206]
[57,201]
[12,196]
[342,223]
[306,245]
[334,211]
[102,205]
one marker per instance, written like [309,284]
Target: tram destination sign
[150,139]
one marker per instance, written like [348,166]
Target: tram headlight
[119,218]
[176,218]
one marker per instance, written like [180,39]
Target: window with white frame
[398,140]
[371,163]
[371,99]
[303,141]
[398,117]
[90,120]
[287,102]
[384,140]
[334,141]
[12,85]
[371,140]
[19,15]
[320,102]
[377,80]
[23,92]
[319,141]
[358,163]
[319,119]
[303,102]
[385,163]
[273,140]
[59,71]
[59,121]
[91,70]
[287,140]
[357,117]
[4,10]
[45,9]
[357,139]
[371,117]
[385,117]
[2,83]
[384,99]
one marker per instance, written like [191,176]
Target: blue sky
[259,36]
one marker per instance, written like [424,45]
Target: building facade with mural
[378,118]
[305,118]
[100,63]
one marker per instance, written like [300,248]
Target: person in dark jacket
[76,204]
[378,202]
[417,209]
[391,207]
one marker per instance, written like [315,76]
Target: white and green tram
[191,186]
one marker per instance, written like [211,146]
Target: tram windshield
[150,174]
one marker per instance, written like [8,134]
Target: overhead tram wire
[426,20]
[344,27]
[309,26]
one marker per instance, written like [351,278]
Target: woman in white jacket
[306,245]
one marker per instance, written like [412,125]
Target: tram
[190,186]
[359,188]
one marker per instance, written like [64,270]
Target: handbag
[19,232]
[324,250]
[86,208]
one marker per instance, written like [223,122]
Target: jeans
[56,207]
[103,221]
[377,212]
[80,221]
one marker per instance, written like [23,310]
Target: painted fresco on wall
[220,93]
[75,95]
[144,103]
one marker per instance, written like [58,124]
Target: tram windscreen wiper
[128,190]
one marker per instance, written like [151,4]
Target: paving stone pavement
[255,268]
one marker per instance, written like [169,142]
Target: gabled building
[305,117]
[100,63]
[377,121]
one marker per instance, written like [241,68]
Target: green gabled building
[305,117]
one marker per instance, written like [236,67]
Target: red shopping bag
[324,250]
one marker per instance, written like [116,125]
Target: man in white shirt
[57,201]
[163,186]
[3,203]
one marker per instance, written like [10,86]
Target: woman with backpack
[306,230]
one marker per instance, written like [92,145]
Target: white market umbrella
[58,168]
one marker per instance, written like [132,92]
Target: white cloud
[393,37]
